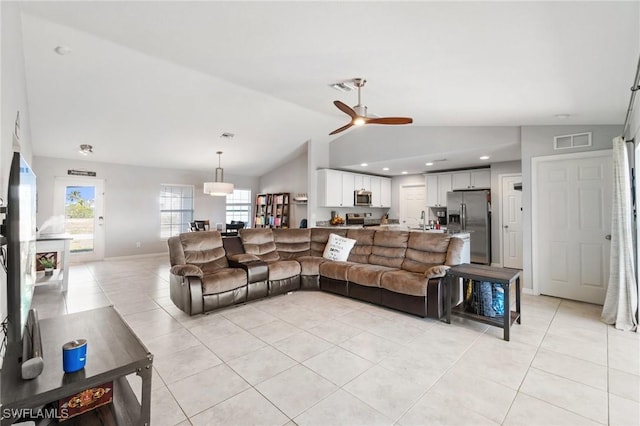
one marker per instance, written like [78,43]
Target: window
[239,206]
[176,209]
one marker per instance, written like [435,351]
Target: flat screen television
[20,231]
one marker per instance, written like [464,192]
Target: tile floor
[312,358]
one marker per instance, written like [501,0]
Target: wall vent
[577,140]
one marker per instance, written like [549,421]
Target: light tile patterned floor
[312,358]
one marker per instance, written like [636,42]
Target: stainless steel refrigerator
[470,211]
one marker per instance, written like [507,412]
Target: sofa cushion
[389,248]
[367,275]
[310,265]
[319,238]
[223,280]
[335,269]
[364,242]
[260,242]
[425,249]
[204,249]
[282,269]
[405,282]
[292,243]
[338,248]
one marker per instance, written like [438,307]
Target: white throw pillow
[338,247]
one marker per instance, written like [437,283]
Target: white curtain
[621,301]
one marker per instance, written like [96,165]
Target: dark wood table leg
[518,289]
[507,310]
[448,280]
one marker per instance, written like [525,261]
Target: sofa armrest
[256,270]
[437,271]
[242,258]
[186,271]
[186,293]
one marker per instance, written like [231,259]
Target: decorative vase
[48,272]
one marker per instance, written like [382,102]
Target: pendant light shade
[218,187]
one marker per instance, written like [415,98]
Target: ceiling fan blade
[390,120]
[345,108]
[341,129]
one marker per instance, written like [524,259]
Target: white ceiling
[156,83]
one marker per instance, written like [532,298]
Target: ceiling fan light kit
[218,187]
[359,115]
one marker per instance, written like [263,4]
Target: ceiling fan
[358,113]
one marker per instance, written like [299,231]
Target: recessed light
[364,164]
[428,164]
[386,169]
[62,50]
[562,116]
[404,172]
[484,157]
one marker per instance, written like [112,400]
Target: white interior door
[80,201]
[412,203]
[571,225]
[511,221]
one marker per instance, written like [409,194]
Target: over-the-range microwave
[362,197]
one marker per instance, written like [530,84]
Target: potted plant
[48,266]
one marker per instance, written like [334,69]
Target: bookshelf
[272,210]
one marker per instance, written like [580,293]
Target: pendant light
[219,187]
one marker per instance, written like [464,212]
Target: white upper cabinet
[348,186]
[380,191]
[362,182]
[472,179]
[437,187]
[335,188]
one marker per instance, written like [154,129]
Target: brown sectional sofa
[397,269]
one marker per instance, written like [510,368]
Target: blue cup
[74,355]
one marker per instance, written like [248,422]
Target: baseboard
[496,265]
[528,291]
[135,256]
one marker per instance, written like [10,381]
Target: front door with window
[80,201]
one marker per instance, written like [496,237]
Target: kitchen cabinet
[437,187]
[348,182]
[380,192]
[472,179]
[335,188]
[361,182]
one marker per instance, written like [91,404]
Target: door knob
[607,237]
[506,226]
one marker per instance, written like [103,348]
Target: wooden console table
[504,276]
[113,352]
[59,243]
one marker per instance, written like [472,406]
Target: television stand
[113,352]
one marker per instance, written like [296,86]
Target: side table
[504,276]
[113,352]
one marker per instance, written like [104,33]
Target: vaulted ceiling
[156,83]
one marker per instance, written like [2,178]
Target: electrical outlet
[138,244]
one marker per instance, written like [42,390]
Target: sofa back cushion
[259,242]
[203,249]
[364,242]
[424,250]
[292,243]
[389,248]
[319,238]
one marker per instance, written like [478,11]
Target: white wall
[537,141]
[132,200]
[290,177]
